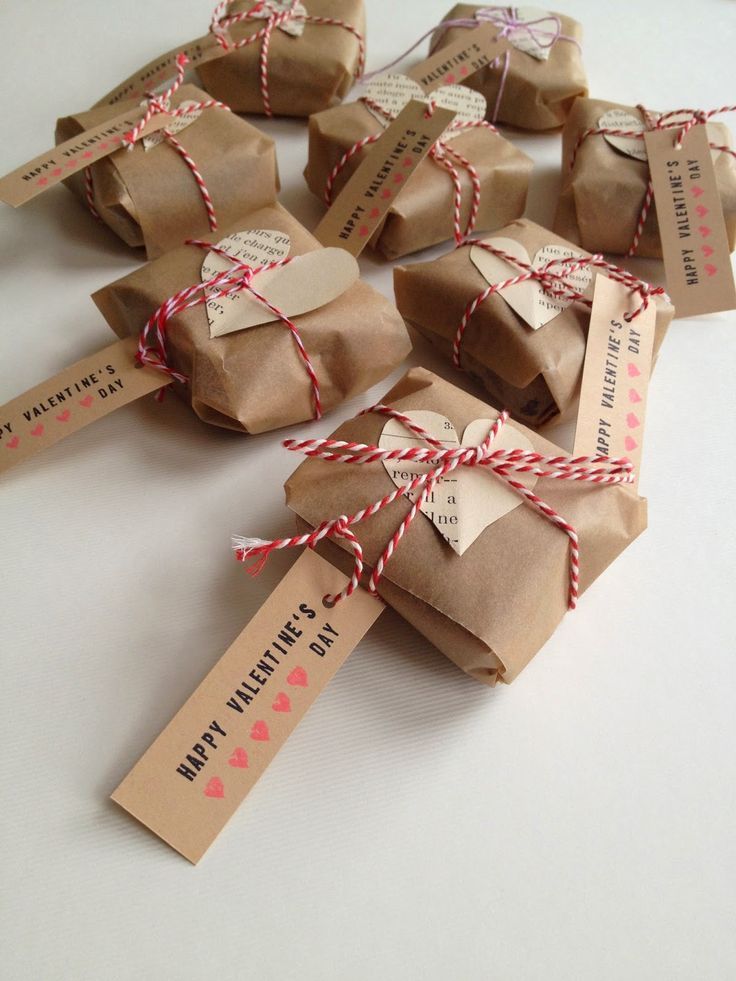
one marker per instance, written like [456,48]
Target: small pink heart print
[298,677]
[12,443]
[398,178]
[375,212]
[259,731]
[57,172]
[696,191]
[385,194]
[632,421]
[704,230]
[449,79]
[42,181]
[630,443]
[87,401]
[282,703]
[710,269]
[215,788]
[464,70]
[71,163]
[239,758]
[38,430]
[64,416]
[701,210]
[634,395]
[632,370]
[87,154]
[408,161]
[364,231]
[707,250]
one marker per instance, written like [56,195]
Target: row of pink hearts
[87,155]
[632,420]
[39,429]
[258,732]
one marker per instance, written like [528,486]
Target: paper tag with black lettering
[476,48]
[618,363]
[83,150]
[193,778]
[163,69]
[81,394]
[364,201]
[697,258]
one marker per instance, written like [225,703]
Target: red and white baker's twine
[237,278]
[160,104]
[697,117]
[222,20]
[443,155]
[556,283]
[441,461]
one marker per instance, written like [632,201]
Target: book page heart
[294,28]
[529,299]
[463,504]
[177,124]
[306,283]
[633,146]
[536,32]
[388,95]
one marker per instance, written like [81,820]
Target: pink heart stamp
[632,421]
[707,250]
[375,212]
[259,732]
[38,430]
[87,401]
[42,181]
[449,79]
[215,788]
[704,230]
[72,163]
[239,758]
[408,161]
[398,178]
[634,395]
[364,231]
[630,443]
[57,172]
[12,443]
[64,416]
[696,191]
[710,269]
[385,194]
[632,370]
[282,703]
[298,677]
[701,210]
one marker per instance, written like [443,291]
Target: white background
[578,824]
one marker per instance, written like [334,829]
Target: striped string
[554,278]
[696,117]
[504,464]
[237,278]
[157,104]
[275,18]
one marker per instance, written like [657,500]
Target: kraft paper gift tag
[534,373]
[539,91]
[491,608]
[602,194]
[149,196]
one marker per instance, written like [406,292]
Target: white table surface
[578,824]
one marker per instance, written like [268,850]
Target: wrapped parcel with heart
[206,168]
[523,341]
[603,200]
[472,178]
[261,326]
[535,83]
[500,548]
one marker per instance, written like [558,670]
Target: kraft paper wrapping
[422,214]
[491,609]
[253,381]
[305,74]
[151,198]
[535,374]
[537,94]
[601,198]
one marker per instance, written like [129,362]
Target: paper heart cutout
[632,146]
[239,758]
[634,395]
[535,39]
[259,732]
[215,788]
[298,677]
[294,28]
[468,500]
[528,299]
[632,370]
[306,283]
[282,703]
[176,125]
[393,92]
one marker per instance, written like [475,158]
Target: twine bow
[503,464]
[652,121]
[237,278]
[222,20]
[156,105]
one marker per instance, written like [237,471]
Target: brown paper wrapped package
[253,380]
[537,94]
[423,213]
[491,609]
[305,74]
[151,198]
[601,198]
[535,374]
